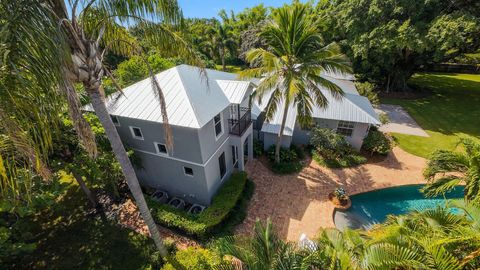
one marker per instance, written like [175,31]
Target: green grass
[230,68]
[452,111]
[69,239]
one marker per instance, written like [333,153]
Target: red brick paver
[298,203]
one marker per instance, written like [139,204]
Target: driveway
[400,121]
[298,203]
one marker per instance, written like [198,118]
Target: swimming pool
[374,206]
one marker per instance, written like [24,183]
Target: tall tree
[84,34]
[388,41]
[292,64]
[222,40]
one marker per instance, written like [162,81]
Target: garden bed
[211,219]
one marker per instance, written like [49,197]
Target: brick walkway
[298,203]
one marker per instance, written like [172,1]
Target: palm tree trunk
[222,55]
[98,104]
[280,134]
[85,189]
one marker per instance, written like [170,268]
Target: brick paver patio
[298,203]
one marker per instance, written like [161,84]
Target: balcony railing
[241,122]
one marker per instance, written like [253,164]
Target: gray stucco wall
[194,148]
[270,139]
[207,141]
[301,136]
[359,133]
[186,144]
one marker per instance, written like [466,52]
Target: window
[345,128]
[222,165]
[188,171]
[161,148]
[234,155]
[217,120]
[115,120]
[136,133]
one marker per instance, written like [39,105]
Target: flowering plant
[340,193]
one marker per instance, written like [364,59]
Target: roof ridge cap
[187,94]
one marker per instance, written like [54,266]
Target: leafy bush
[384,118]
[329,144]
[286,155]
[332,150]
[350,160]
[367,90]
[377,143]
[290,159]
[195,259]
[257,148]
[203,224]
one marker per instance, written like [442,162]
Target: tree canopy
[389,40]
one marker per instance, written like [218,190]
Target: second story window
[115,120]
[188,171]
[345,128]
[217,121]
[161,148]
[136,133]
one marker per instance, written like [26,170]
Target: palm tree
[78,40]
[222,40]
[447,169]
[263,251]
[292,64]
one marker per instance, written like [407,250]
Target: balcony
[240,120]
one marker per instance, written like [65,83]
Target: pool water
[374,207]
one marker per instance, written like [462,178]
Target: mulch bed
[126,214]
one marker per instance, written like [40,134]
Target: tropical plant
[377,142]
[48,47]
[263,251]
[292,64]
[447,169]
[222,40]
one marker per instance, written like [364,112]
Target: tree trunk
[127,168]
[85,189]
[279,137]
[222,55]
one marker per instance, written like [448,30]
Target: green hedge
[201,225]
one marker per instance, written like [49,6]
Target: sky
[210,8]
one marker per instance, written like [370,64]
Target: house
[350,116]
[211,121]
[211,127]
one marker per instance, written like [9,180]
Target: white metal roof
[191,99]
[352,107]
[234,90]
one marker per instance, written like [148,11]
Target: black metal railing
[238,125]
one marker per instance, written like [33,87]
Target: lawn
[230,68]
[70,239]
[451,112]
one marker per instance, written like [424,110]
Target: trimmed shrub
[377,143]
[204,223]
[195,259]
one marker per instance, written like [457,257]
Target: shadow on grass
[68,238]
